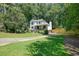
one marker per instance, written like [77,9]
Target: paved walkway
[72,44]
[5,41]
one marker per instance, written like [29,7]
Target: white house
[40,25]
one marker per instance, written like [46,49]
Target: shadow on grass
[54,46]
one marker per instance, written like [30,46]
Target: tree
[16,17]
[14,21]
[71,17]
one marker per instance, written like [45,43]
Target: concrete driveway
[5,41]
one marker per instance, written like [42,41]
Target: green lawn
[50,46]
[14,35]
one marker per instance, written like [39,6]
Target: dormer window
[39,22]
[32,23]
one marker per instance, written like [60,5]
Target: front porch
[39,27]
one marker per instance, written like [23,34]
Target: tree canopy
[16,17]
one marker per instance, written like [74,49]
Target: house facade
[40,25]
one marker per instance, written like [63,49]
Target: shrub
[46,32]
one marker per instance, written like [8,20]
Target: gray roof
[40,20]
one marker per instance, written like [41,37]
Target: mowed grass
[19,35]
[50,46]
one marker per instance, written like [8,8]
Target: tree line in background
[15,18]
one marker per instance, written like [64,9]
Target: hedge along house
[40,25]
